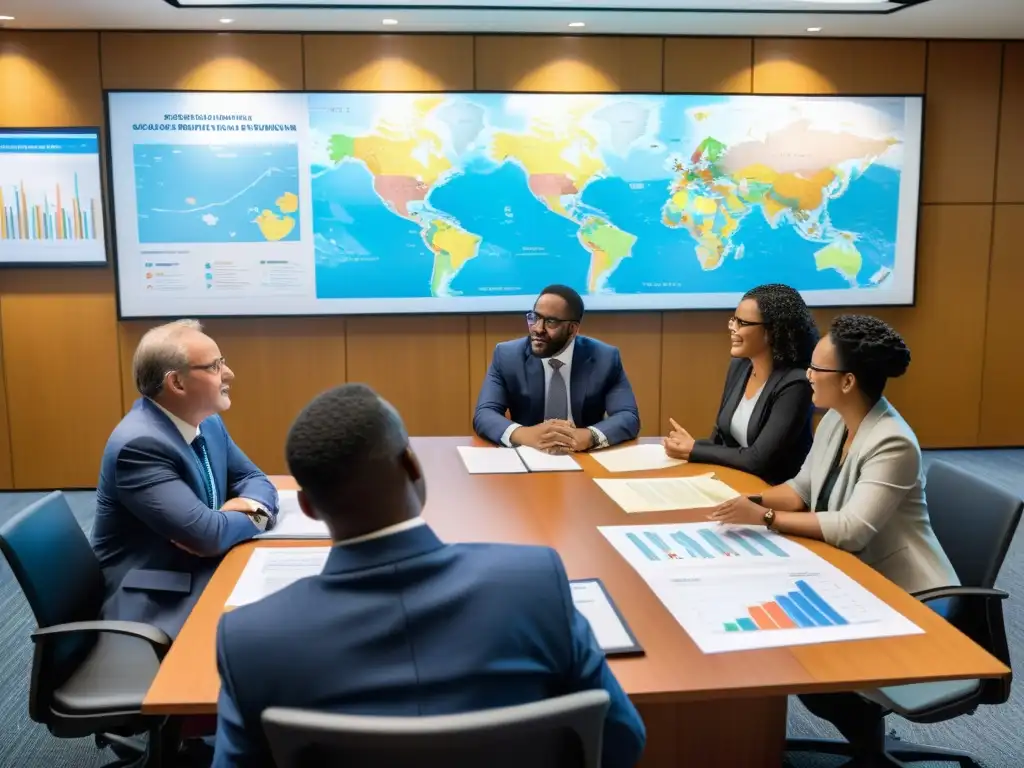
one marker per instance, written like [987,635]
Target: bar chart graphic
[800,608]
[697,542]
[54,214]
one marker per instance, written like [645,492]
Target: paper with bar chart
[51,208]
[735,588]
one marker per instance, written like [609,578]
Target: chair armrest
[940,592]
[156,637]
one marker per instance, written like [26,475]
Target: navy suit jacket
[150,495]
[779,431]
[598,388]
[405,625]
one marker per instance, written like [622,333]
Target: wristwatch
[769,518]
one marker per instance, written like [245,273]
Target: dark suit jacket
[150,494]
[405,625]
[779,432]
[598,388]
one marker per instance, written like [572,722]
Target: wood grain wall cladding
[59,325]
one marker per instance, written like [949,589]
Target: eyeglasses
[532,318]
[215,367]
[819,369]
[741,323]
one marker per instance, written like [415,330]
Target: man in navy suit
[564,392]
[400,623]
[175,493]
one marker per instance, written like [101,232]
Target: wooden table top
[563,511]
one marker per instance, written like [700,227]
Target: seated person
[862,486]
[564,392]
[174,493]
[764,421]
[400,623]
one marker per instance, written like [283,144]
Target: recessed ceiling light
[577,24]
[227,21]
[6,18]
[389,22]
[814,29]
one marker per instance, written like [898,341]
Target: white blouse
[741,417]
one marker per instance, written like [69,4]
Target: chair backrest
[974,521]
[60,576]
[563,732]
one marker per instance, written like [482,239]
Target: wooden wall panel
[6,467]
[420,364]
[694,359]
[793,65]
[708,65]
[62,374]
[591,64]
[388,62]
[1002,417]
[1010,178]
[961,122]
[940,394]
[197,61]
[50,79]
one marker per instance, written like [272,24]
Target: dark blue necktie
[199,446]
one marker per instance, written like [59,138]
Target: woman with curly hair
[764,420]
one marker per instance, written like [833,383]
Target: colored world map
[482,194]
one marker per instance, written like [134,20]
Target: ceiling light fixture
[6,18]
[577,24]
[389,22]
[227,21]
[814,29]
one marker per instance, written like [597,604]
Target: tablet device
[611,630]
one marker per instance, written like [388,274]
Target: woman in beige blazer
[861,487]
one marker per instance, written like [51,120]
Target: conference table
[700,709]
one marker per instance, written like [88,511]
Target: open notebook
[507,461]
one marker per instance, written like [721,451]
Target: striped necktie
[199,446]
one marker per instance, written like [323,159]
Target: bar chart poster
[51,204]
[735,588]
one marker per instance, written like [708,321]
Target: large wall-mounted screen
[51,200]
[378,203]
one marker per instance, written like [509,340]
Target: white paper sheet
[292,523]
[735,588]
[667,493]
[636,458]
[593,603]
[491,461]
[538,461]
[272,568]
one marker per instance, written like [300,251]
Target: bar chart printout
[737,588]
[51,208]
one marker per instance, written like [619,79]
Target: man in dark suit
[399,623]
[564,392]
[175,493]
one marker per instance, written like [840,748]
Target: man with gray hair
[175,493]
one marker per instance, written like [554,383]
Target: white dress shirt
[565,358]
[380,533]
[189,433]
[741,417]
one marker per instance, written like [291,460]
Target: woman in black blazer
[764,420]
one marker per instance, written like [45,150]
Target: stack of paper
[636,458]
[272,568]
[491,461]
[664,494]
[292,523]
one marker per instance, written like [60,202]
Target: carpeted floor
[994,734]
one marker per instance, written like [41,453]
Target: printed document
[491,461]
[636,458]
[667,493]
[292,523]
[272,568]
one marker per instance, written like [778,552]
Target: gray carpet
[994,734]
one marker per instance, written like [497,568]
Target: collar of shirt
[405,525]
[565,356]
[188,432]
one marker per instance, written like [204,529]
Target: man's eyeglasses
[741,323]
[551,323]
[215,367]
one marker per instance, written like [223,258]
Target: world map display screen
[378,203]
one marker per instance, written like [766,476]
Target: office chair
[563,732]
[89,677]
[974,522]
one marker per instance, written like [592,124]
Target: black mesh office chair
[564,732]
[974,522]
[89,677]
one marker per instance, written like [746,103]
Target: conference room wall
[66,359]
